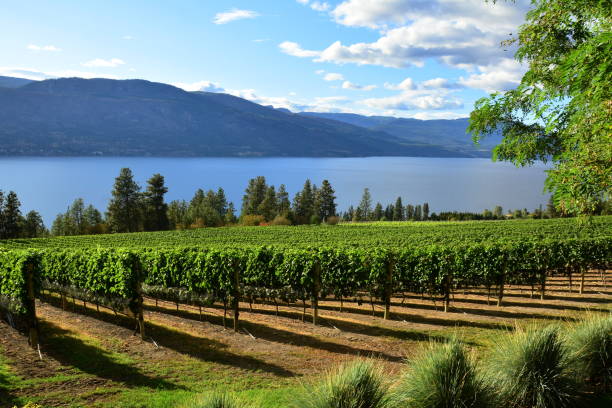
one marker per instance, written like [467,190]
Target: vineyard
[372,263]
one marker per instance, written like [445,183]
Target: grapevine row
[119,278]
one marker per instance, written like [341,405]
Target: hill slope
[443,132]
[73,116]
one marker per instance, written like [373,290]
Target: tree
[425,211]
[365,206]
[378,213]
[560,112]
[498,212]
[398,212]
[267,208]
[327,201]
[418,214]
[156,210]
[230,214]
[254,195]
[11,216]
[76,216]
[283,204]
[125,206]
[303,204]
[551,211]
[177,214]
[389,211]
[410,212]
[33,225]
[93,220]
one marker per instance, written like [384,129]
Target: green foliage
[217,400]
[530,369]
[561,110]
[14,269]
[359,384]
[590,346]
[442,376]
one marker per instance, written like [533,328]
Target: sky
[424,59]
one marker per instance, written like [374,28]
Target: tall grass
[590,348]
[530,369]
[442,376]
[358,384]
[216,400]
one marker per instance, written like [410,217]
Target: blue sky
[408,58]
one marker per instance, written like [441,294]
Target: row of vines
[120,278]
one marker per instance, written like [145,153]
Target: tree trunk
[33,333]
[315,293]
[389,289]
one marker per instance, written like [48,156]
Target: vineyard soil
[91,358]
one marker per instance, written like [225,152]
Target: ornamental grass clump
[531,369]
[358,384]
[442,376]
[590,351]
[218,400]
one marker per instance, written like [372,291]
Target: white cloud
[355,87]
[233,15]
[128,37]
[319,6]
[202,86]
[294,49]
[405,85]
[260,40]
[102,63]
[320,71]
[438,83]
[496,78]
[37,75]
[460,33]
[50,48]
[438,115]
[414,100]
[333,76]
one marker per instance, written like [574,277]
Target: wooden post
[33,333]
[501,288]
[447,290]
[389,288]
[236,298]
[140,312]
[582,272]
[543,285]
[315,292]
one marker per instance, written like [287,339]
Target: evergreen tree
[221,202]
[77,217]
[93,220]
[156,210]
[177,214]
[254,195]
[349,214]
[11,216]
[418,214]
[303,204]
[426,211]
[283,204]
[267,208]
[230,214]
[125,207]
[389,211]
[410,212]
[398,213]
[33,225]
[365,206]
[327,201]
[378,213]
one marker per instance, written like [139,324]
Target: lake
[49,185]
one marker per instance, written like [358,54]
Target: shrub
[332,220]
[252,220]
[590,348]
[315,220]
[280,220]
[530,369]
[443,375]
[358,384]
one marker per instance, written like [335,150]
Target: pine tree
[303,204]
[93,220]
[76,215]
[230,214]
[425,211]
[254,195]
[365,206]
[389,210]
[177,214]
[267,208]
[33,225]
[156,210]
[398,213]
[221,202]
[283,205]
[418,214]
[125,207]
[410,212]
[327,201]
[11,216]
[378,212]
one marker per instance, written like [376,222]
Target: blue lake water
[49,185]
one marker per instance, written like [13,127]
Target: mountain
[74,116]
[10,82]
[444,132]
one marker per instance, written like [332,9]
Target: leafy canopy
[562,110]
